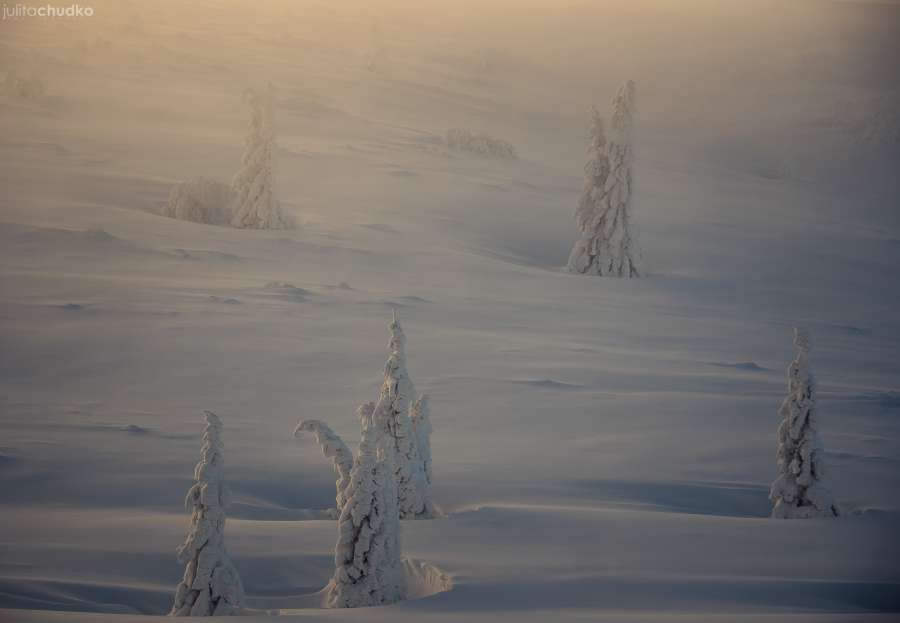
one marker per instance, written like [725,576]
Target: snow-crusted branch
[334,448]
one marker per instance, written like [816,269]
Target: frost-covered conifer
[799,492]
[606,247]
[368,568]
[211,585]
[334,448]
[585,254]
[397,394]
[420,415]
[256,206]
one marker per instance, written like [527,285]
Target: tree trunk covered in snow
[211,585]
[334,448]
[799,491]
[603,215]
[368,570]
[397,394]
[256,206]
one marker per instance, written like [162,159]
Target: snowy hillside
[602,448]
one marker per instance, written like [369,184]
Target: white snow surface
[603,448]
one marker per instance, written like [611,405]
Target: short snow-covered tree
[397,394]
[799,491]
[211,585]
[368,567]
[420,415]
[334,448]
[603,215]
[200,200]
[256,205]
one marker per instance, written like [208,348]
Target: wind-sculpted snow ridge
[799,492]
[480,143]
[368,570]
[334,448]
[200,200]
[603,215]
[424,579]
[211,585]
[256,204]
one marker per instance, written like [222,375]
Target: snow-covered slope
[602,449]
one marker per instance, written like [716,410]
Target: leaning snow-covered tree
[397,394]
[606,246]
[334,448]
[420,414]
[256,205]
[211,585]
[368,568]
[799,490]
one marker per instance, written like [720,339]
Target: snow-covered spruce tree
[211,585]
[798,491]
[368,569]
[255,203]
[420,415]
[604,213]
[397,394]
[334,448]
[585,254]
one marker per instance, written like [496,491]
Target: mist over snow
[221,206]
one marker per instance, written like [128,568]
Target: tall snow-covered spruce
[397,394]
[255,203]
[211,585]
[368,569]
[799,491]
[606,247]
[334,448]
